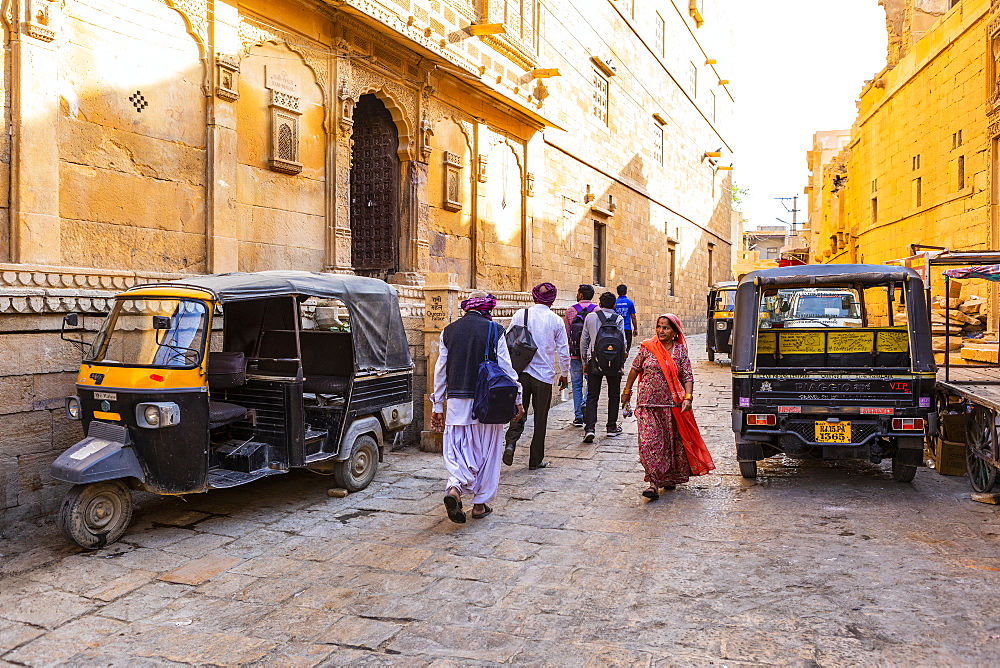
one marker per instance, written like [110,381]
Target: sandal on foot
[486,511]
[651,494]
[454,508]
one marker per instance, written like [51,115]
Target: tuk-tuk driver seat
[225,371]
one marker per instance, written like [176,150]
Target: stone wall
[918,168]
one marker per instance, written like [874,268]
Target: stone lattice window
[284,133]
[601,86]
[452,182]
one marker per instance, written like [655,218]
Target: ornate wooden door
[374,190]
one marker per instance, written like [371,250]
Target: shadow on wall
[625,234]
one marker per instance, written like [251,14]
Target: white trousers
[472,456]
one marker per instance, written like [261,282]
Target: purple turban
[544,293]
[480,301]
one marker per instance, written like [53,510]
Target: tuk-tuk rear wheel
[97,514]
[358,470]
[902,472]
[748,470]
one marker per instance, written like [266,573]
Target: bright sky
[800,67]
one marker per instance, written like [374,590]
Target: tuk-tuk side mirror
[71,320]
[161,322]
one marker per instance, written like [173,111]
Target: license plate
[833,432]
[105,396]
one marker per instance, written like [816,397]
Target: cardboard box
[950,458]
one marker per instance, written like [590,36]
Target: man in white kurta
[472,450]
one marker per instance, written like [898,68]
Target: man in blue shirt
[625,307]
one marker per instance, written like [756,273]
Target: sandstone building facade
[921,165]
[441,145]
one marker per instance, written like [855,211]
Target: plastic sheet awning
[990,272]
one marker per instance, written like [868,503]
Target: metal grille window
[601,85]
[657,142]
[961,172]
[671,269]
[599,238]
[693,80]
[661,32]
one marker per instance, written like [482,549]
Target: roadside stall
[968,388]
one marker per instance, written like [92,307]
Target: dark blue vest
[466,340]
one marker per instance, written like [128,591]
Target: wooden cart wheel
[979,440]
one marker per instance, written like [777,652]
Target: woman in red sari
[671,448]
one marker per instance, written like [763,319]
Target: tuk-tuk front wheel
[748,470]
[97,514]
[711,355]
[358,470]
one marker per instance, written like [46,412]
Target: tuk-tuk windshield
[152,332]
[725,300]
[808,307]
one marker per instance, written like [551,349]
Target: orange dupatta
[694,445]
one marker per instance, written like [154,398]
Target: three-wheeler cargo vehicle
[721,304]
[211,382]
[845,388]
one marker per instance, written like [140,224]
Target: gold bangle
[688,397]
[626,391]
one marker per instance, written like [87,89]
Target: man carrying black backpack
[603,350]
[574,318]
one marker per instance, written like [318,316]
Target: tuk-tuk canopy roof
[752,285]
[827,274]
[725,285]
[376,323]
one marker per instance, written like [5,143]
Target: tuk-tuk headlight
[157,414]
[721,324]
[73,408]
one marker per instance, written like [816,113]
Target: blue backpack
[495,401]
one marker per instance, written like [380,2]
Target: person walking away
[472,450]
[574,318]
[603,347]
[625,307]
[671,448]
[549,334]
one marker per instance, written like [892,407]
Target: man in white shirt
[549,334]
[595,319]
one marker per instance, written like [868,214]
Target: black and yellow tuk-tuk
[850,377]
[212,382]
[719,331]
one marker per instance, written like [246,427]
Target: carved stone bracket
[39,23]
[346,103]
[481,168]
[426,132]
[227,76]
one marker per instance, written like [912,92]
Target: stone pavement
[813,564]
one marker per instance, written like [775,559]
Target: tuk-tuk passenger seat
[226,370]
